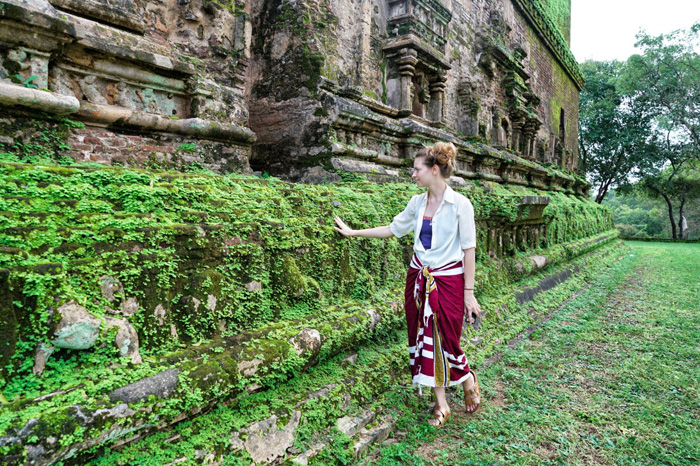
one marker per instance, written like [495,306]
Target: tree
[637,215]
[676,184]
[665,79]
[614,130]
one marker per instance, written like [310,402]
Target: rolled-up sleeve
[467,227]
[405,222]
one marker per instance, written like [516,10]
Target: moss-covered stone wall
[262,249]
[230,284]
[234,283]
[560,12]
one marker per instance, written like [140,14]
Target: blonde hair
[442,154]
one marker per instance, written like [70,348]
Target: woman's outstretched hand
[471,306]
[342,228]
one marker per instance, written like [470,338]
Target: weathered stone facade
[166,70]
[356,86]
[375,80]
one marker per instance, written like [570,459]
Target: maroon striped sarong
[434,303]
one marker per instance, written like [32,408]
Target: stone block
[161,385]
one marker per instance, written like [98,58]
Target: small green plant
[187,147]
[18,79]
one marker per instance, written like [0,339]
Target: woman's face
[424,175]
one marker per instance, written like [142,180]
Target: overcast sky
[606,29]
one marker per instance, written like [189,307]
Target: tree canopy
[615,132]
[640,122]
[665,78]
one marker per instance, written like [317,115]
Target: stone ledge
[474,160]
[120,117]
[14,95]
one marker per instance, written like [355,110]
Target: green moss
[222,255]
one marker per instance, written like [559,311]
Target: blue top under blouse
[426,233]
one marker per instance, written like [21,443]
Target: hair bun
[445,153]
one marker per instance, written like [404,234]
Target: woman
[440,280]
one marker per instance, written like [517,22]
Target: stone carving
[426,19]
[91,91]
[470,103]
[25,64]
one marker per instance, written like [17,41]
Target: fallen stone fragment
[249,368]
[369,437]
[127,340]
[314,450]
[129,307]
[307,340]
[374,315]
[349,360]
[43,351]
[352,425]
[159,312]
[161,385]
[110,287]
[77,329]
[266,443]
[253,286]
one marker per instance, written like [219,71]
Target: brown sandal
[471,395]
[439,419]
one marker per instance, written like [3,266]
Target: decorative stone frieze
[476,74]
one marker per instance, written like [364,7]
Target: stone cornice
[474,160]
[535,14]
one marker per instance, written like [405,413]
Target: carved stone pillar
[437,96]
[517,125]
[406,63]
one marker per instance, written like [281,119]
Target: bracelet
[472,289]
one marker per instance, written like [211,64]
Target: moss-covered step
[183,383]
[98,404]
[317,417]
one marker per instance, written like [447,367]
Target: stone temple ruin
[168,292]
[281,86]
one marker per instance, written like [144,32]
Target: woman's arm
[471,305]
[377,232]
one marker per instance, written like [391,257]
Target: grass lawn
[613,378]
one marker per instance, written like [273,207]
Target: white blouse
[453,228]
